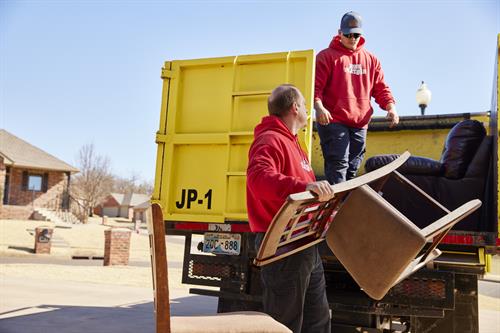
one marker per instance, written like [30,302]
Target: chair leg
[160,271]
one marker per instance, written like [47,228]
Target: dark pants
[295,291]
[343,151]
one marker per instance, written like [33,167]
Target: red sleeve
[322,73]
[264,177]
[381,91]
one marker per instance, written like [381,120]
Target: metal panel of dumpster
[209,110]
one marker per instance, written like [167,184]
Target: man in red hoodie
[294,287]
[347,77]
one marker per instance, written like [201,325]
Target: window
[35,183]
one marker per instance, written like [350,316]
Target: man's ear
[339,32]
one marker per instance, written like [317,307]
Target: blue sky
[79,72]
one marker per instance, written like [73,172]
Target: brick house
[140,211]
[121,205]
[30,178]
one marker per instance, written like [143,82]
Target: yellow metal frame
[209,110]
[488,259]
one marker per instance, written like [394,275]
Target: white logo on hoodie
[306,166]
[355,69]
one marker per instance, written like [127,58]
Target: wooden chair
[245,322]
[376,243]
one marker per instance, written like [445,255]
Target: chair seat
[373,241]
[233,322]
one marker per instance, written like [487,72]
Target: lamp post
[423,97]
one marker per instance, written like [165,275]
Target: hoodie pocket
[355,112]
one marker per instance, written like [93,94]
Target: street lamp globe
[423,97]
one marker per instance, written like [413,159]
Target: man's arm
[383,96]
[323,115]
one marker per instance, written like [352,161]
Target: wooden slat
[293,227]
[160,271]
[295,238]
[297,227]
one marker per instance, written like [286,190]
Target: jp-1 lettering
[190,196]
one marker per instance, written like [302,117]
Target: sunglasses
[356,36]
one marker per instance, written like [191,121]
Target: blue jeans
[343,150]
[295,291]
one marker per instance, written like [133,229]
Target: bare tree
[94,181]
[125,185]
[145,187]
[132,184]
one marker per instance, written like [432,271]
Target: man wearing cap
[347,77]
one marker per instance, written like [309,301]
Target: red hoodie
[346,80]
[277,167]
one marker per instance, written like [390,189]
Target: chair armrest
[447,221]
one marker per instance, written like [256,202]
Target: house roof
[118,197]
[144,205]
[138,199]
[19,153]
[130,199]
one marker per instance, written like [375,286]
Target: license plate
[219,243]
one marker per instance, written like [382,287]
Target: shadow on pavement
[77,319]
[120,319]
[21,248]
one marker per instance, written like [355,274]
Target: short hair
[282,98]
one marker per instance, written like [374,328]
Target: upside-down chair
[375,242]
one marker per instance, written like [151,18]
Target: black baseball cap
[351,23]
